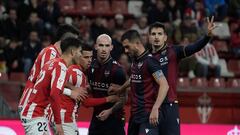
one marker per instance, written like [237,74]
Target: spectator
[142,27]
[117,45]
[217,8]
[31,47]
[175,12]
[12,25]
[235,39]
[26,8]
[187,65]
[13,54]
[158,13]
[234,8]
[119,21]
[187,29]
[3,66]
[49,12]
[207,62]
[98,27]
[33,23]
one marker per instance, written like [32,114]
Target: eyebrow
[104,44]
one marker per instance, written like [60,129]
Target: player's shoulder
[75,68]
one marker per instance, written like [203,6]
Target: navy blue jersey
[144,88]
[169,58]
[100,77]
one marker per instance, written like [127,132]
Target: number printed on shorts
[42,126]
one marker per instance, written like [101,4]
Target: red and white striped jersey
[46,91]
[69,107]
[44,56]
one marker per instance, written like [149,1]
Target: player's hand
[79,94]
[210,25]
[153,119]
[113,98]
[114,89]
[59,129]
[104,114]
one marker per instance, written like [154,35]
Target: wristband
[67,91]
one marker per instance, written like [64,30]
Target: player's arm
[163,89]
[188,50]
[121,89]
[57,85]
[155,69]
[91,102]
[49,54]
[76,93]
[119,79]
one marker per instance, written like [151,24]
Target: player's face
[103,47]
[157,37]
[129,48]
[86,59]
[77,55]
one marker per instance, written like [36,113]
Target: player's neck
[57,45]
[67,59]
[102,61]
[156,48]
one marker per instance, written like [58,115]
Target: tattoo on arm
[118,105]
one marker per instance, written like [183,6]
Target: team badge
[140,64]
[92,69]
[106,73]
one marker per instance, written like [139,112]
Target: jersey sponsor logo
[163,60]
[99,84]
[136,78]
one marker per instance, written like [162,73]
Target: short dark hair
[131,35]
[86,47]
[70,43]
[156,25]
[65,28]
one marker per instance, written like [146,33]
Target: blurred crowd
[27,26]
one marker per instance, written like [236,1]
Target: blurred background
[208,94]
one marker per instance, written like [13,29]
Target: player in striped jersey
[69,107]
[48,53]
[46,91]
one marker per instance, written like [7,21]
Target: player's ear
[111,47]
[95,46]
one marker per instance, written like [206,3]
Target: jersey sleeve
[153,65]
[119,76]
[57,84]
[91,102]
[49,54]
[186,51]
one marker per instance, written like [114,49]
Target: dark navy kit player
[148,87]
[107,119]
[169,57]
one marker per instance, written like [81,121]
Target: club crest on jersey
[140,64]
[92,70]
[106,73]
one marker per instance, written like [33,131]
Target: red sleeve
[49,54]
[91,102]
[57,84]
